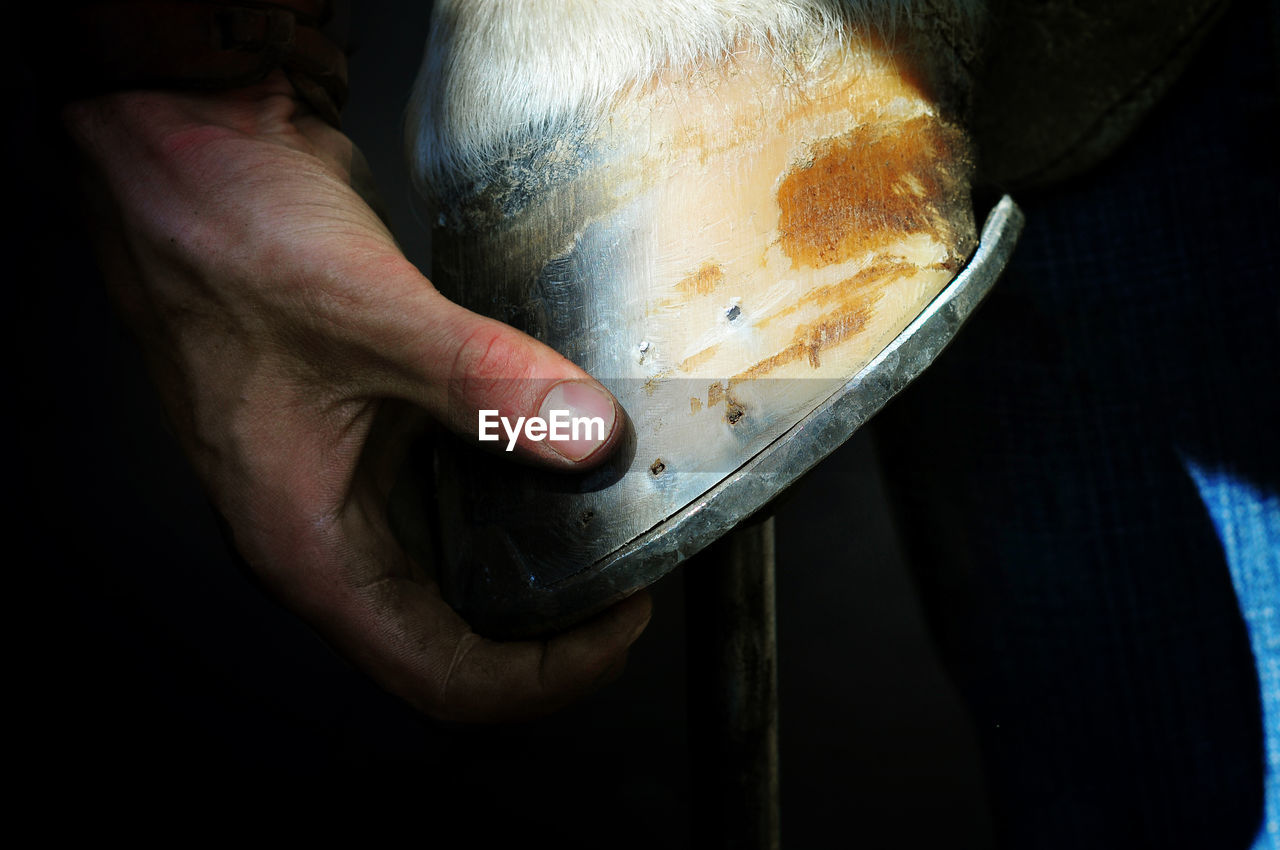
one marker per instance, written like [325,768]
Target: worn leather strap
[113,45]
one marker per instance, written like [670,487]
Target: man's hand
[289,338]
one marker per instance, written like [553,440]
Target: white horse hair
[502,77]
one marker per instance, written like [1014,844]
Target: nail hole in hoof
[733,412]
[657,467]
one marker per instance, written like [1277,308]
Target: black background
[149,668]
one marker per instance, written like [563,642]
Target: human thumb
[491,383]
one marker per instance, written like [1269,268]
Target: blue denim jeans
[1247,520]
[1087,484]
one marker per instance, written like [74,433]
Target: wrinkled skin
[294,348]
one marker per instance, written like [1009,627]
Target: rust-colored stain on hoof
[715,392]
[872,186]
[811,339]
[703,281]
[693,361]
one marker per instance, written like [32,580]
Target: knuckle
[486,365]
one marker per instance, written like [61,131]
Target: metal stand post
[733,690]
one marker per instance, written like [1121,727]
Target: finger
[362,595]
[568,666]
[320,540]
[456,364]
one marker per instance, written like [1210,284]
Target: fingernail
[581,413]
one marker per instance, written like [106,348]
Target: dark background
[152,667]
